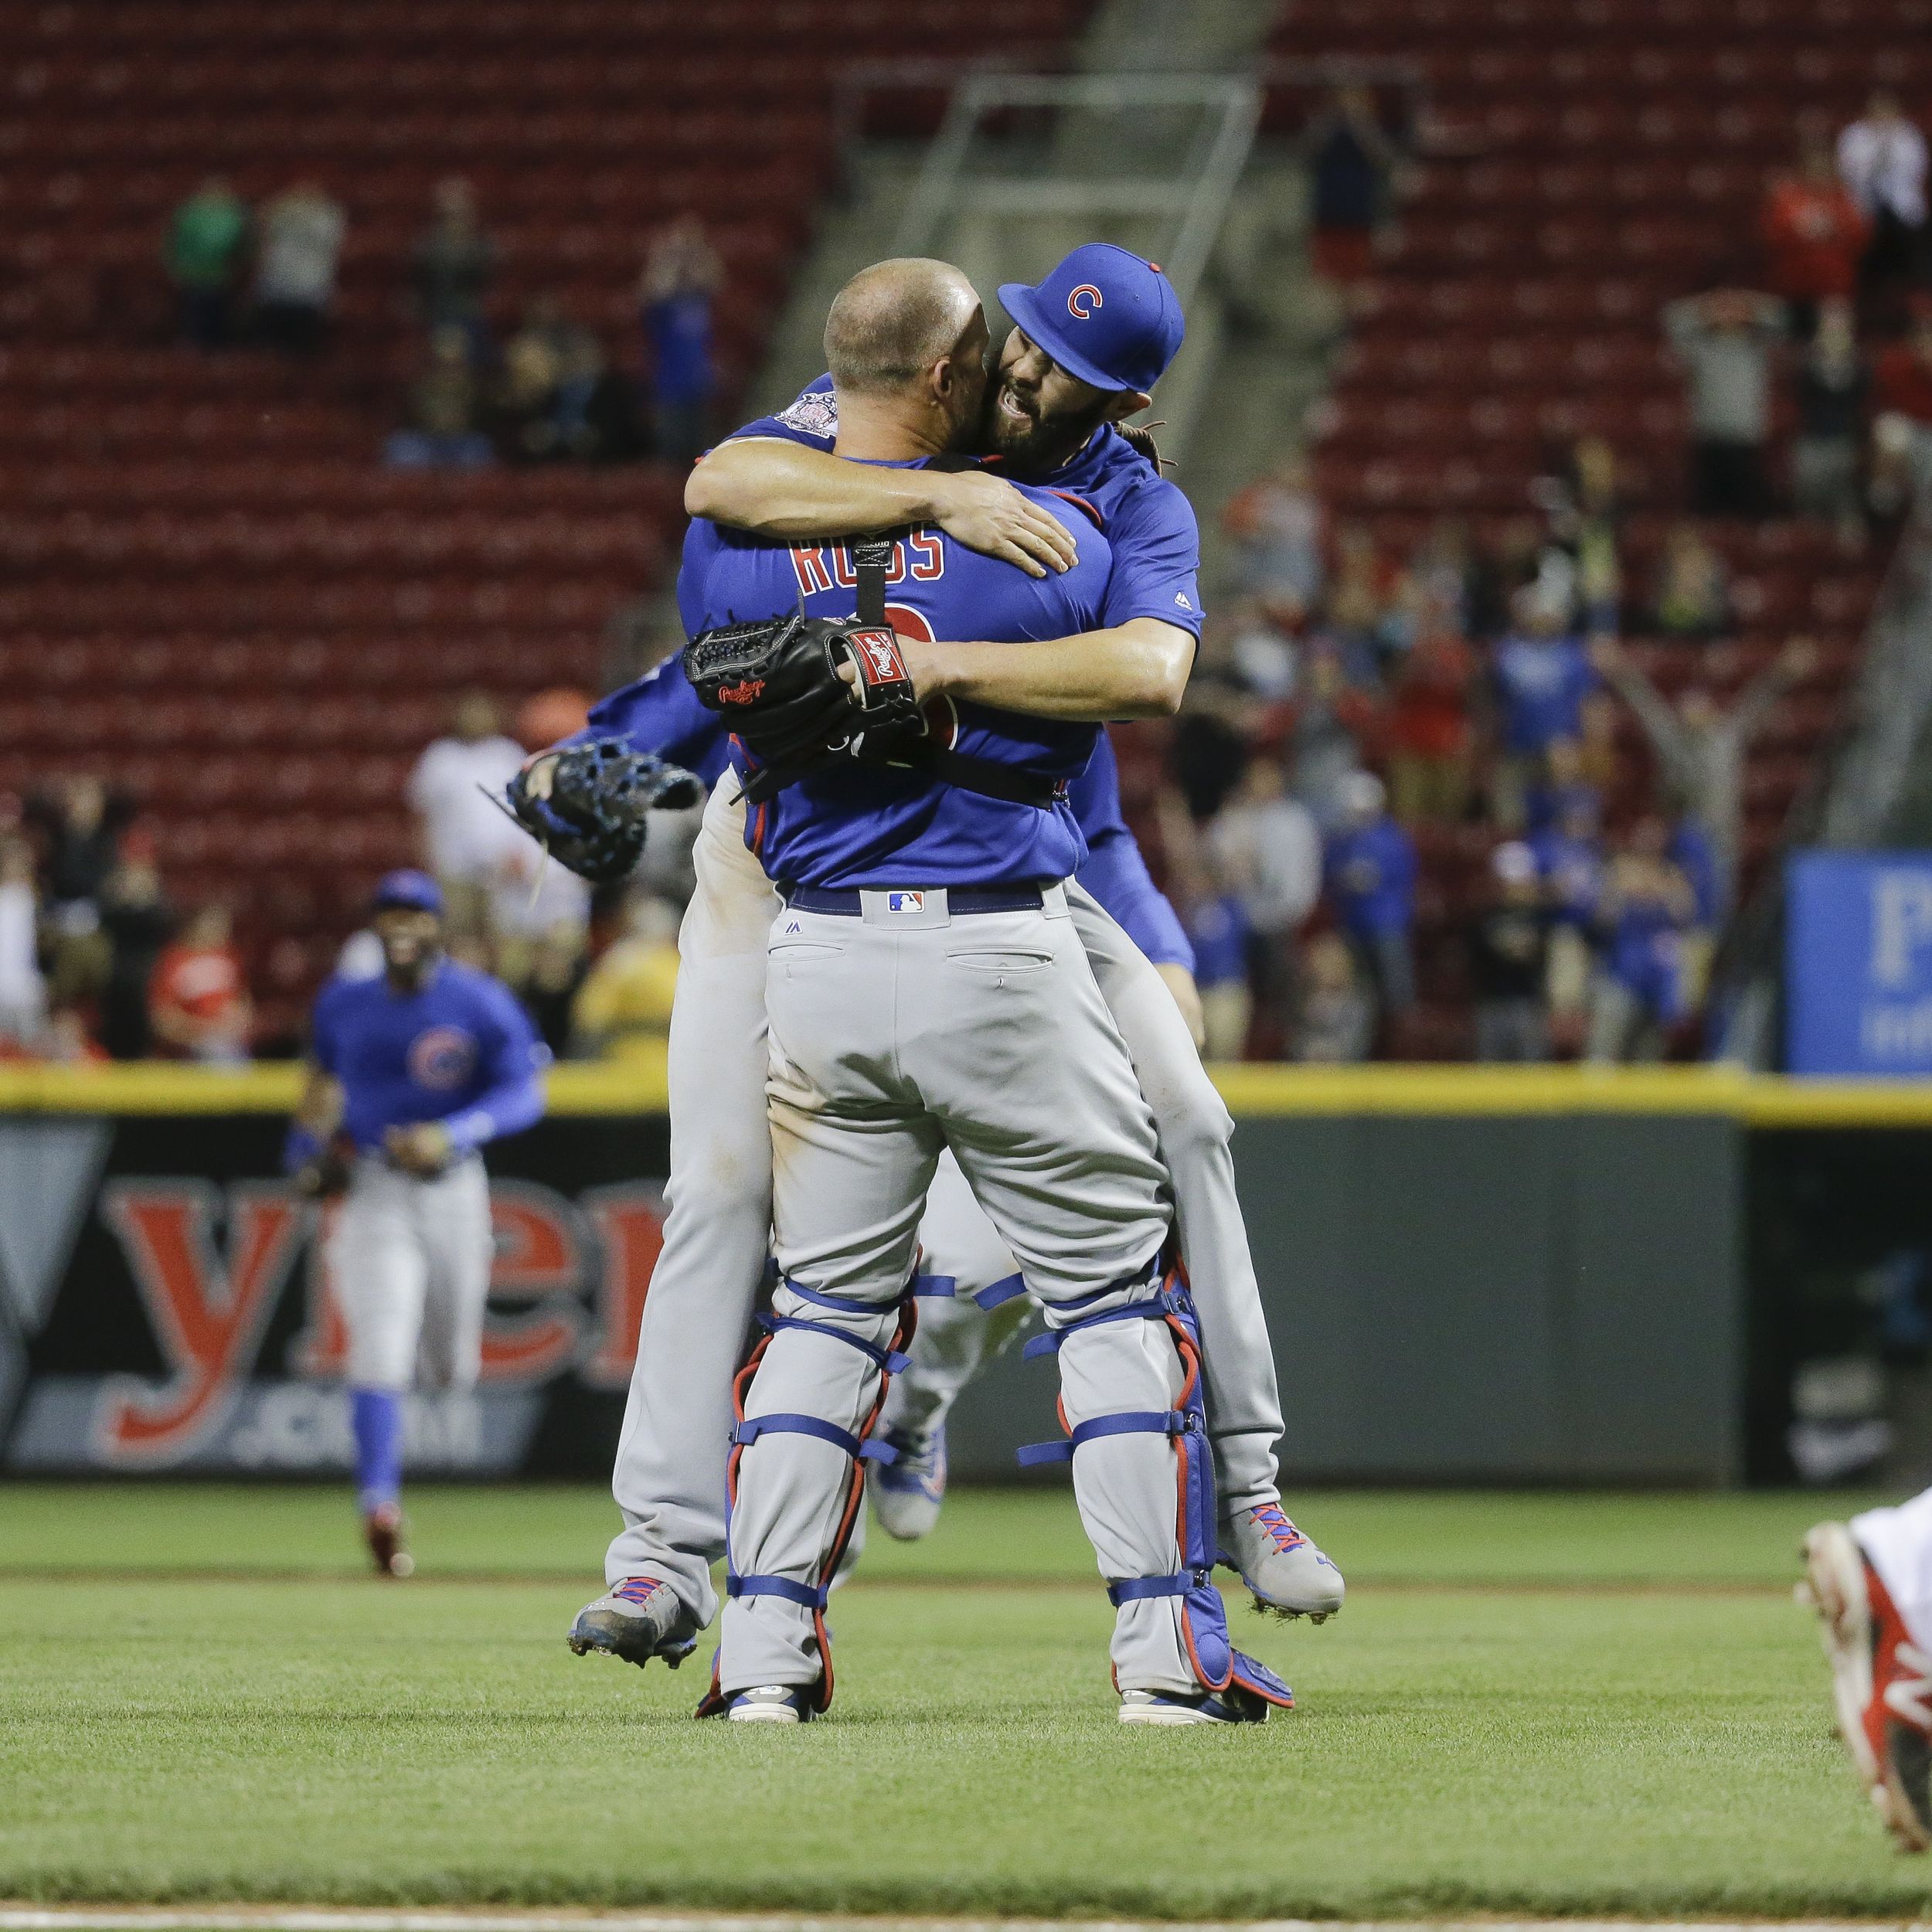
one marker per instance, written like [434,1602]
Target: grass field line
[546,1580]
[249,1918]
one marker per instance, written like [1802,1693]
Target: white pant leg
[380,1274]
[1899,1543]
[1196,1130]
[453,1225]
[955,1334]
[670,1473]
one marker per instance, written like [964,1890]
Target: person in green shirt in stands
[205,243]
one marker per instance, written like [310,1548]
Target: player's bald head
[892,321]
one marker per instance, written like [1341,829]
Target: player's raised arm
[785,490]
[1138,669]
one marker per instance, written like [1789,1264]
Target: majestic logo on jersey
[815,413]
[919,558]
[743,692]
[905,902]
[1082,302]
[442,1058]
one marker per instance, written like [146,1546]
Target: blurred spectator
[1724,341]
[444,409]
[1372,880]
[1509,960]
[1570,870]
[301,243]
[1441,568]
[1337,1020]
[82,828]
[1832,383]
[674,296]
[1701,749]
[1638,994]
[545,716]
[1279,530]
[1350,160]
[1814,232]
[523,399]
[67,1043]
[198,1001]
[1266,849]
[1902,433]
[1563,786]
[554,974]
[1264,656]
[465,835]
[624,1004]
[1430,738]
[1882,160]
[1599,755]
[205,243]
[1217,927]
[1503,567]
[1326,724]
[1688,847]
[1584,507]
[453,266]
[1542,676]
[1362,608]
[136,920]
[1693,588]
[540,918]
[23,992]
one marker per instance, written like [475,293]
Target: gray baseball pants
[668,1480]
[894,1034]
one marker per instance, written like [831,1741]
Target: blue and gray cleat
[1288,1575]
[1237,1704]
[906,1494]
[642,1618]
[771,1704]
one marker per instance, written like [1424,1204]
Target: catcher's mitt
[593,819]
[778,682]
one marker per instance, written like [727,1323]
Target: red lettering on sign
[630,1224]
[537,1258]
[208,1306]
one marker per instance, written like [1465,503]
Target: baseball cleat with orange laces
[1288,1575]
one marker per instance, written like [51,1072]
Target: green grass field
[1533,1704]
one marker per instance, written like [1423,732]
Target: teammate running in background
[410,1074]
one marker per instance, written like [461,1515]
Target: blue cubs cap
[1103,315]
[407,890]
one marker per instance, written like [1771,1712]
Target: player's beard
[1045,442]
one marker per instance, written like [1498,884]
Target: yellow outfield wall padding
[638,1085]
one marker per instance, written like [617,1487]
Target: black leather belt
[959,899]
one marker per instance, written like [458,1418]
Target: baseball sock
[376,1416]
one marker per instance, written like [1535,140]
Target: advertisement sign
[1859,963]
[156,1320]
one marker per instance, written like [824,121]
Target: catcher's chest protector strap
[990,777]
[1204,1628]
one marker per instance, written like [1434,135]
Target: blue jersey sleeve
[812,420]
[661,713]
[1157,558]
[513,1058]
[1115,873]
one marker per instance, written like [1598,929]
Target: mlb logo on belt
[905,902]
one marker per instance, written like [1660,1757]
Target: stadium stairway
[1585,162]
[212,593]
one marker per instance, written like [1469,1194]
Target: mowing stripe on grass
[243,1919]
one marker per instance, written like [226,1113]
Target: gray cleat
[641,1619]
[1288,1575]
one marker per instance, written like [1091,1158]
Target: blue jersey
[459,1050]
[1543,684]
[1372,877]
[1149,522]
[848,824]
[660,713]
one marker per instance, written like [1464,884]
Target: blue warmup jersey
[1149,522]
[461,1050]
[848,824]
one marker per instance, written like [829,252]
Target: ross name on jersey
[919,558]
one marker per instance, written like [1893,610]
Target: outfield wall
[1472,1274]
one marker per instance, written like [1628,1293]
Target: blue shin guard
[1217,1663]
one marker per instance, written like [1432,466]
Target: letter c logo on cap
[1082,302]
